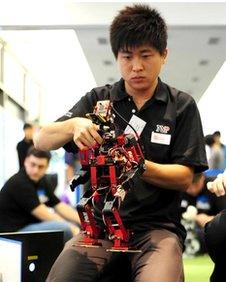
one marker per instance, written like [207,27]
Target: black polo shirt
[169,112]
[22,149]
[19,196]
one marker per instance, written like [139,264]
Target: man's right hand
[218,186]
[86,133]
[74,229]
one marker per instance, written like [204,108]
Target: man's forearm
[67,212]
[169,176]
[54,135]
[203,218]
[43,213]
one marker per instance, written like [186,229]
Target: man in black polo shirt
[171,135]
[26,198]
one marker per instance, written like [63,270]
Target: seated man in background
[215,232]
[199,206]
[26,197]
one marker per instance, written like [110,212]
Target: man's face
[140,67]
[28,133]
[35,167]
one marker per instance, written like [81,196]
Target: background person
[217,138]
[207,204]
[26,198]
[215,232]
[23,146]
[199,206]
[215,152]
[171,136]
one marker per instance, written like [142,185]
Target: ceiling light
[203,62]
[102,40]
[213,40]
[195,79]
[107,62]
[111,79]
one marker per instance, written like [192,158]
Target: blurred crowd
[216,151]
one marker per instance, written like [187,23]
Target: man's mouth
[137,78]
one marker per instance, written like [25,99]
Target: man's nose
[35,169]
[137,65]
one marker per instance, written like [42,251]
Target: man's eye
[126,56]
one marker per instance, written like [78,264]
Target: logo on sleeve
[43,198]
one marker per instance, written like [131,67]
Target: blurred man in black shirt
[26,199]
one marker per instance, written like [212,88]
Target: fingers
[202,219]
[220,188]
[86,135]
[218,185]
[95,134]
[210,186]
[80,145]
[224,179]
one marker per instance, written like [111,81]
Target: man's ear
[25,162]
[165,55]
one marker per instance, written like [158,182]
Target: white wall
[56,59]
[212,105]
[65,55]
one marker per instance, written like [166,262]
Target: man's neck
[140,97]
[28,140]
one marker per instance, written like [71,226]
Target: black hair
[38,153]
[27,125]
[138,25]
[209,140]
[217,134]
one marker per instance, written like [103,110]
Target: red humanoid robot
[111,168]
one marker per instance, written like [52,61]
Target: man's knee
[173,247]
[76,267]
[168,242]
